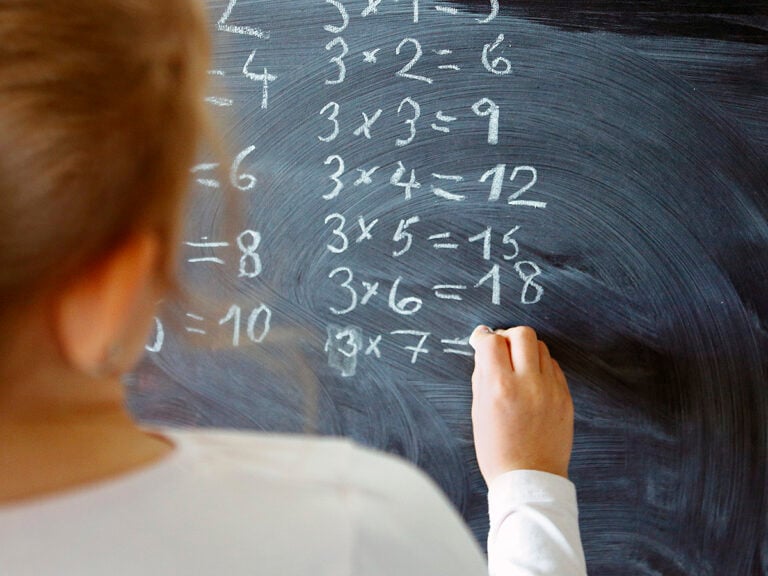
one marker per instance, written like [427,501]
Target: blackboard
[406,170]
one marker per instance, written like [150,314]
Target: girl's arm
[522,417]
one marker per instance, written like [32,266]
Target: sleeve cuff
[518,487]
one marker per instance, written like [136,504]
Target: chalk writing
[407,186]
[406,306]
[487,107]
[207,182]
[365,229]
[533,174]
[372,8]
[344,18]
[401,234]
[492,15]
[258,325]
[410,122]
[440,116]
[250,261]
[458,346]
[224,25]
[241,181]
[210,252]
[404,72]
[346,285]
[493,276]
[415,11]
[366,175]
[333,107]
[159,340]
[418,348]
[219,101]
[342,346]
[503,275]
[345,344]
[499,66]
[261,314]
[209,246]
[338,232]
[265,78]
[195,329]
[365,128]
[369,56]
[338,60]
[442,192]
[338,184]
[447,9]
[528,278]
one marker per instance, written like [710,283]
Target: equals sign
[218,100]
[462,342]
[448,291]
[445,52]
[442,245]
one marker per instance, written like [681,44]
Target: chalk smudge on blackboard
[343,346]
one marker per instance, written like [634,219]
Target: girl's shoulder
[297,459]
[233,502]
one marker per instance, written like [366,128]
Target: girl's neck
[48,447]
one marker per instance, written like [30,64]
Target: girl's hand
[522,412]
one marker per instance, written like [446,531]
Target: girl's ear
[102,310]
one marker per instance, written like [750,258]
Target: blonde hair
[101,112]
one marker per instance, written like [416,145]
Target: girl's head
[101,111]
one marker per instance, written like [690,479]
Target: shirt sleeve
[534,527]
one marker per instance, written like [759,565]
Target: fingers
[545,360]
[524,348]
[491,351]
[559,375]
[522,413]
[526,352]
[479,332]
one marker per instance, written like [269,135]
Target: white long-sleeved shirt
[229,503]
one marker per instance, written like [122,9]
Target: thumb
[477,334]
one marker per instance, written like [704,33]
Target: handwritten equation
[504,274]
[421,68]
[237,325]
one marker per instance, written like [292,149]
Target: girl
[100,115]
